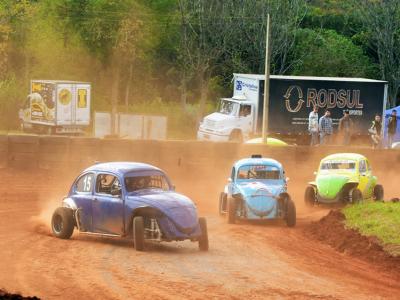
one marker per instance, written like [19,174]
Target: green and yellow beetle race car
[343,178]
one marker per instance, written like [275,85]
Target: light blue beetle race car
[257,190]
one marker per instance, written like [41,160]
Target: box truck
[56,106]
[291,100]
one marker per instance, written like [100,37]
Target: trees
[329,53]
[382,27]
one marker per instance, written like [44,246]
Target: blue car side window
[85,183]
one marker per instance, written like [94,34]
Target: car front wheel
[203,240]
[309,196]
[138,233]
[290,213]
[62,223]
[356,196]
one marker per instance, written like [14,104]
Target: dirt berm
[331,229]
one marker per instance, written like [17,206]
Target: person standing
[376,131]
[313,126]
[325,128]
[392,127]
[346,127]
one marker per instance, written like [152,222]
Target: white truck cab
[237,117]
[232,122]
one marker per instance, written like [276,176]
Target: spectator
[313,126]
[392,127]
[325,128]
[346,127]
[376,131]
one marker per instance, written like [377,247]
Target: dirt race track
[244,261]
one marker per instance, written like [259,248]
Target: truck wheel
[236,136]
[62,223]
[231,211]
[309,196]
[203,240]
[138,233]
[378,192]
[222,203]
[356,196]
[290,213]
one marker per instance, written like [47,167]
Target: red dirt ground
[330,229]
[244,261]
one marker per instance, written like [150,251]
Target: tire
[309,196]
[231,211]
[62,223]
[236,136]
[222,204]
[138,233]
[290,213]
[203,240]
[356,196]
[378,192]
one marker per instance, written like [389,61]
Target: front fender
[313,183]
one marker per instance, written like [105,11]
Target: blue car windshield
[261,172]
[136,183]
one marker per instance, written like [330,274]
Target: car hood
[252,188]
[179,208]
[329,185]
[260,198]
[217,119]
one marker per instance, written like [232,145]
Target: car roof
[258,161]
[122,167]
[354,156]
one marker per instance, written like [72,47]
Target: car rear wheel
[203,240]
[309,196]
[378,192]
[138,233]
[222,203]
[356,196]
[62,223]
[290,213]
[231,210]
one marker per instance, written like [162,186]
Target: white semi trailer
[291,99]
[56,107]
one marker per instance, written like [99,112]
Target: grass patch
[376,219]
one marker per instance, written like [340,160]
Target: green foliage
[185,51]
[376,219]
[329,53]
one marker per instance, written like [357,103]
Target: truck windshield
[136,183]
[338,165]
[228,107]
[259,172]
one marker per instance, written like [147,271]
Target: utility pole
[266,83]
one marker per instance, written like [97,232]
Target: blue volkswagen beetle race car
[257,190]
[126,199]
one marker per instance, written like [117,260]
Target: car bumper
[203,135]
[171,232]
